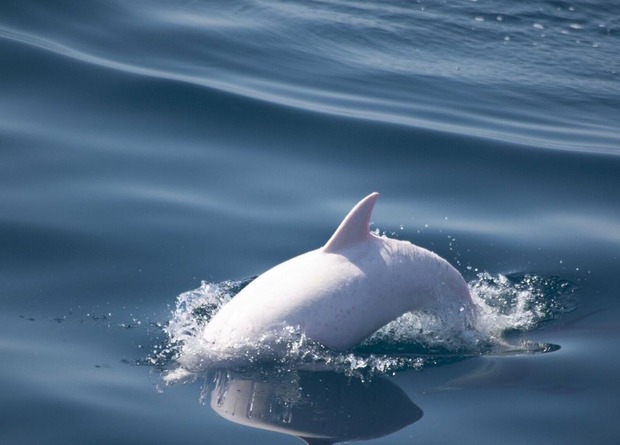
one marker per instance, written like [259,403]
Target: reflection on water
[319,407]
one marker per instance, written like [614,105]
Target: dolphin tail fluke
[355,226]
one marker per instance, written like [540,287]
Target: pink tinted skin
[339,294]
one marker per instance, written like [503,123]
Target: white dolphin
[339,294]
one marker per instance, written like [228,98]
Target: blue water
[148,146]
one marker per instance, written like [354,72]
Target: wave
[510,73]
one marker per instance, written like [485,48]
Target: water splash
[519,302]
[508,306]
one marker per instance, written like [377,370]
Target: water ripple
[507,72]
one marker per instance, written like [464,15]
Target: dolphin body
[339,294]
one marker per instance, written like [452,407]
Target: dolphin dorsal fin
[355,227]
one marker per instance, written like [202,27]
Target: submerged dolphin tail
[355,227]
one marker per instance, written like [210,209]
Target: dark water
[146,146]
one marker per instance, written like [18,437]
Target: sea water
[153,154]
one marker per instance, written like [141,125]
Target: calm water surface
[147,146]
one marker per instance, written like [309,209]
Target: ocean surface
[155,155]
